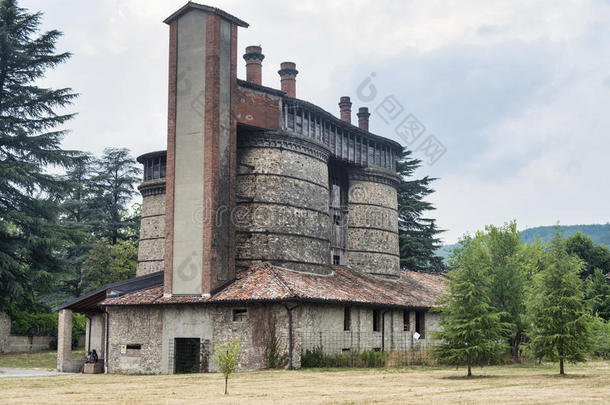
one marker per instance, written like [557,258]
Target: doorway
[187,355]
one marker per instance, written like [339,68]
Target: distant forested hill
[600,233]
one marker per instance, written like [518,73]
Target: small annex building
[266,219]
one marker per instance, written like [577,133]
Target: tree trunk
[561,371]
[469,371]
[226,383]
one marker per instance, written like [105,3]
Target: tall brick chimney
[345,106]
[288,77]
[254,66]
[363,118]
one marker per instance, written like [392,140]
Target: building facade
[267,218]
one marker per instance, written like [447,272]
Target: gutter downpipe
[290,345]
[106,354]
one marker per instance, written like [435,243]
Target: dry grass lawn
[585,384]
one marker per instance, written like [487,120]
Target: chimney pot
[345,107]
[288,75]
[363,118]
[254,66]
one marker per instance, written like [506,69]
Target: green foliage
[600,337]
[559,323]
[316,358]
[44,324]
[473,329]
[31,142]
[418,235]
[597,294]
[116,173]
[107,263]
[594,256]
[226,356]
[276,355]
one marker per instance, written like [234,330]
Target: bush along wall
[45,324]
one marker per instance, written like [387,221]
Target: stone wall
[373,223]
[135,326]
[282,194]
[151,248]
[5,329]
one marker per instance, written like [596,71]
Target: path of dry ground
[586,384]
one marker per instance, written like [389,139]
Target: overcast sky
[517,92]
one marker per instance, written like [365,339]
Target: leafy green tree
[29,143]
[418,235]
[597,294]
[115,178]
[559,321]
[472,329]
[107,263]
[226,356]
[594,256]
[511,262]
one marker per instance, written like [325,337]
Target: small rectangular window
[336,260]
[376,320]
[406,320]
[420,323]
[134,347]
[240,315]
[347,318]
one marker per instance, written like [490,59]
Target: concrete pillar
[64,340]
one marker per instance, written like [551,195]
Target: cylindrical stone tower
[282,202]
[373,222]
[152,227]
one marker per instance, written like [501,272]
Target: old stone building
[266,217]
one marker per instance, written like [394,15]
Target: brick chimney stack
[288,75]
[345,106]
[363,118]
[254,66]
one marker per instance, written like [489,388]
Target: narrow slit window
[347,318]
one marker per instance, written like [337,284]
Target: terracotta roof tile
[267,283]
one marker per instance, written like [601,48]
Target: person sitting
[89,358]
[94,357]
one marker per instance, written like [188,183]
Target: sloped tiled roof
[267,283]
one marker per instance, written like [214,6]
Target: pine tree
[472,330]
[29,143]
[559,321]
[116,175]
[417,235]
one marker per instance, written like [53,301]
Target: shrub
[45,324]
[312,358]
[276,355]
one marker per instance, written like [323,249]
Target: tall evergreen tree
[509,268]
[472,329]
[559,322]
[29,143]
[115,178]
[418,235]
[76,216]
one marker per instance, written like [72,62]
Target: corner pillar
[64,340]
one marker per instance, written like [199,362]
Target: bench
[94,368]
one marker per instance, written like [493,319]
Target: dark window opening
[240,315]
[187,355]
[376,320]
[347,318]
[406,320]
[336,260]
[134,347]
[420,323]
